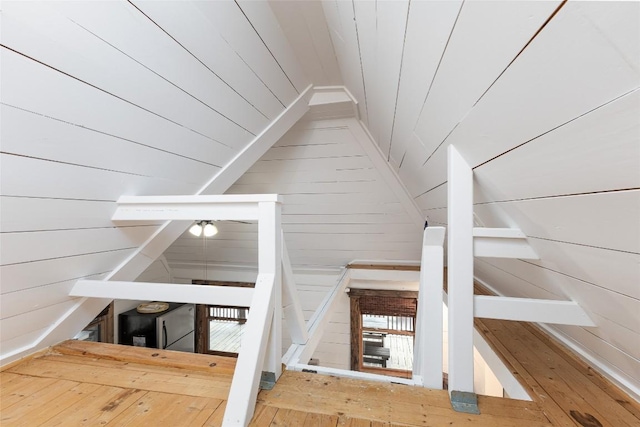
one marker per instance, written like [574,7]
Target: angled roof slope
[103,100]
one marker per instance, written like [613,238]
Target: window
[383,331]
[219,328]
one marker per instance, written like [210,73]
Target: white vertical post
[427,359]
[460,271]
[270,262]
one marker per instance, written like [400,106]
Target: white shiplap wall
[542,99]
[337,206]
[104,99]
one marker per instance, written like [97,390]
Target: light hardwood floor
[87,384]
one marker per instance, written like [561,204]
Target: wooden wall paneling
[40,273]
[98,111]
[203,40]
[25,214]
[33,320]
[31,134]
[486,38]
[58,42]
[496,273]
[296,28]
[341,22]
[313,188]
[612,225]
[613,270]
[345,228]
[365,19]
[305,25]
[540,168]
[23,247]
[391,27]
[346,175]
[22,340]
[235,28]
[311,164]
[67,181]
[175,63]
[357,207]
[568,83]
[311,152]
[23,301]
[428,30]
[265,23]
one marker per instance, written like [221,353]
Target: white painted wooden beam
[222,207]
[531,310]
[171,292]
[318,323]
[270,262]
[253,348]
[427,352]
[460,271]
[509,383]
[501,243]
[291,303]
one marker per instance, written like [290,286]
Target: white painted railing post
[270,262]
[460,271]
[427,359]
[290,303]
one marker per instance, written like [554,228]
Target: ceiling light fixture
[206,226]
[210,229]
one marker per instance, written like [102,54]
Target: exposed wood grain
[148,356]
[385,267]
[43,404]
[99,407]
[170,408]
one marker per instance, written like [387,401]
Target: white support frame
[290,303]
[302,353]
[530,310]
[192,294]
[261,346]
[460,271]
[502,243]
[427,358]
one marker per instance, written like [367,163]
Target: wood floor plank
[148,356]
[568,386]
[115,377]
[45,404]
[98,408]
[375,396]
[489,329]
[389,409]
[165,409]
[99,363]
[20,387]
[357,422]
[215,420]
[320,420]
[593,376]
[263,416]
[289,418]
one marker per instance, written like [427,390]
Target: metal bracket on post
[267,380]
[463,401]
